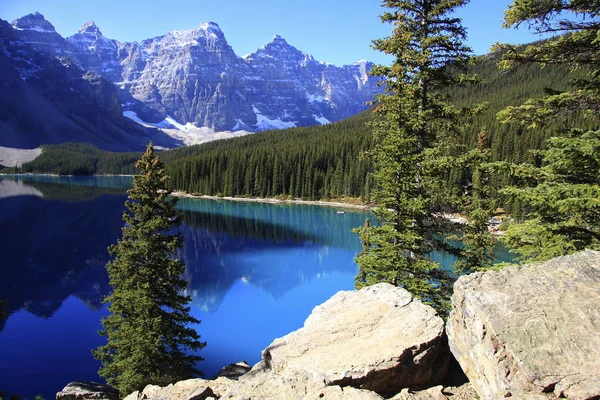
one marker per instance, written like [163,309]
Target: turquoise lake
[255,272]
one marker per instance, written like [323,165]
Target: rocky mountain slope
[188,83]
[46,97]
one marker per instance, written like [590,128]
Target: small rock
[263,384]
[87,390]
[234,371]
[202,393]
[190,389]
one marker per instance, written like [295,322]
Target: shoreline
[268,200]
[58,175]
[362,207]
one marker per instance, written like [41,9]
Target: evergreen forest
[324,162]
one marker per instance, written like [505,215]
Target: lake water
[255,272]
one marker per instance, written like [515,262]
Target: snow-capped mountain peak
[279,49]
[194,77]
[278,39]
[89,27]
[278,43]
[89,37]
[210,26]
[205,32]
[33,22]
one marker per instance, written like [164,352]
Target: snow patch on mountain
[321,120]
[315,98]
[264,123]
[188,134]
[34,28]
[33,22]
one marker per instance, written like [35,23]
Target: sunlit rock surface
[379,338]
[531,330]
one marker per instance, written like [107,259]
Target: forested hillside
[80,159]
[323,161]
[503,88]
[308,163]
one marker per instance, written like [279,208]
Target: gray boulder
[379,338]
[530,331]
[87,390]
[191,389]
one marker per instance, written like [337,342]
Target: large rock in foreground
[530,330]
[87,390]
[379,339]
[191,389]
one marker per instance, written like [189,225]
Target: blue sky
[336,31]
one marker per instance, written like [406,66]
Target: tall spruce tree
[477,253]
[560,194]
[148,330]
[414,130]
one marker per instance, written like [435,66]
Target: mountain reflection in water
[255,272]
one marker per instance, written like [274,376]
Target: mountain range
[184,87]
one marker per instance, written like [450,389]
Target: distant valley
[182,88]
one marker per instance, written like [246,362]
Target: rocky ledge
[531,330]
[379,339]
[525,332]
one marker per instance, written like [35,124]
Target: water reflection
[55,235]
[55,232]
[52,250]
[272,247]
[255,271]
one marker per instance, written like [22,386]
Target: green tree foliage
[310,163]
[561,199]
[414,135]
[559,192]
[147,331]
[81,159]
[477,251]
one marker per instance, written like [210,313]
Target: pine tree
[477,253]
[148,331]
[414,126]
[559,191]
